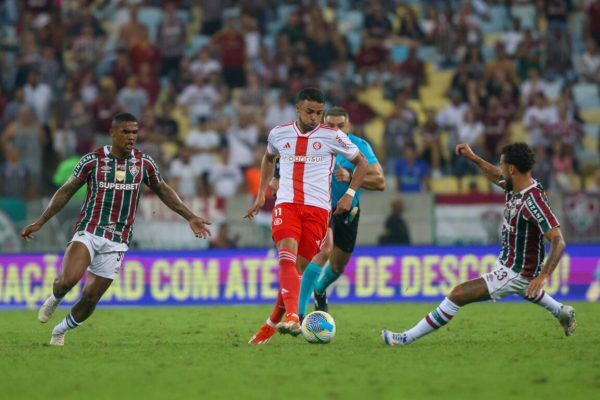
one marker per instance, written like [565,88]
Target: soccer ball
[318,327]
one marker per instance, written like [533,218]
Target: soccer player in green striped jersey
[520,268]
[114,176]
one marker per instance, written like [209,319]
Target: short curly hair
[520,155]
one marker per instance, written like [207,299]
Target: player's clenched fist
[464,150]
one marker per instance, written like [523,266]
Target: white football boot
[47,309]
[567,319]
[394,339]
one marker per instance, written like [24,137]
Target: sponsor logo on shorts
[277,221]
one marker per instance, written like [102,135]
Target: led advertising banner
[378,274]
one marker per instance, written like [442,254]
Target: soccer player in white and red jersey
[520,268]
[114,176]
[306,149]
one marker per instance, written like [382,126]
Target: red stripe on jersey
[133,200]
[298,170]
[98,201]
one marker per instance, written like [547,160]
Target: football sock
[309,279]
[326,279]
[289,280]
[278,311]
[548,302]
[66,324]
[434,320]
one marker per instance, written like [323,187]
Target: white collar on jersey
[299,131]
[522,192]
[107,150]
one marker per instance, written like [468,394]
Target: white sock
[271,323]
[66,325]
[548,302]
[433,321]
[54,299]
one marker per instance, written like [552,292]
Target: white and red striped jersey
[306,162]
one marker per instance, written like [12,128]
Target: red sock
[279,309]
[289,280]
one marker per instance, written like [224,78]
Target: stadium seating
[444,185]
[586,95]
[591,115]
[479,183]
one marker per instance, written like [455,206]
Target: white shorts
[502,282]
[106,255]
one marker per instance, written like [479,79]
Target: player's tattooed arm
[490,171]
[557,248]
[172,200]
[57,202]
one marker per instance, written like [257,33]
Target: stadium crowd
[209,79]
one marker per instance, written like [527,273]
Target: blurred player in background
[520,268]
[306,150]
[114,176]
[343,228]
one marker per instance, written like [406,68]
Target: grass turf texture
[489,351]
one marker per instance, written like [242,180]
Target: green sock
[326,279]
[309,278]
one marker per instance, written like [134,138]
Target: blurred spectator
[198,98]
[242,138]
[171,40]
[371,56]
[205,144]
[593,20]
[133,98]
[513,38]
[293,30]
[542,169]
[361,113]
[501,63]
[38,96]
[11,111]
[15,176]
[495,122]
[253,97]
[533,85]
[557,54]
[396,229]
[225,177]
[231,46]
[588,64]
[133,30]
[204,64]
[377,23]
[223,240]
[87,48]
[149,82]
[557,13]
[472,132]
[48,68]
[536,117]
[452,115]
[80,121]
[431,144]
[562,163]
[121,69]
[568,99]
[413,71]
[252,36]
[184,174]
[409,26]
[103,109]
[27,137]
[411,174]
[399,130]
[142,51]
[564,129]
[280,112]
[88,87]
[64,141]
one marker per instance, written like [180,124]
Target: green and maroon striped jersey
[114,188]
[527,217]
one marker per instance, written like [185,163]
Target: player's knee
[338,268]
[65,283]
[457,295]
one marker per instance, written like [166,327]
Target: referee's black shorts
[344,231]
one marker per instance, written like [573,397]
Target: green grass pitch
[489,351]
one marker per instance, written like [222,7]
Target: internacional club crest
[317,146]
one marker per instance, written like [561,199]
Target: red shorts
[306,224]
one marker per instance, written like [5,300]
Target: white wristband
[351,192]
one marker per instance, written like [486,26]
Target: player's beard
[509,184]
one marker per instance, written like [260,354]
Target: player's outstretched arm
[490,171]
[360,172]
[168,196]
[557,248]
[267,166]
[57,202]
